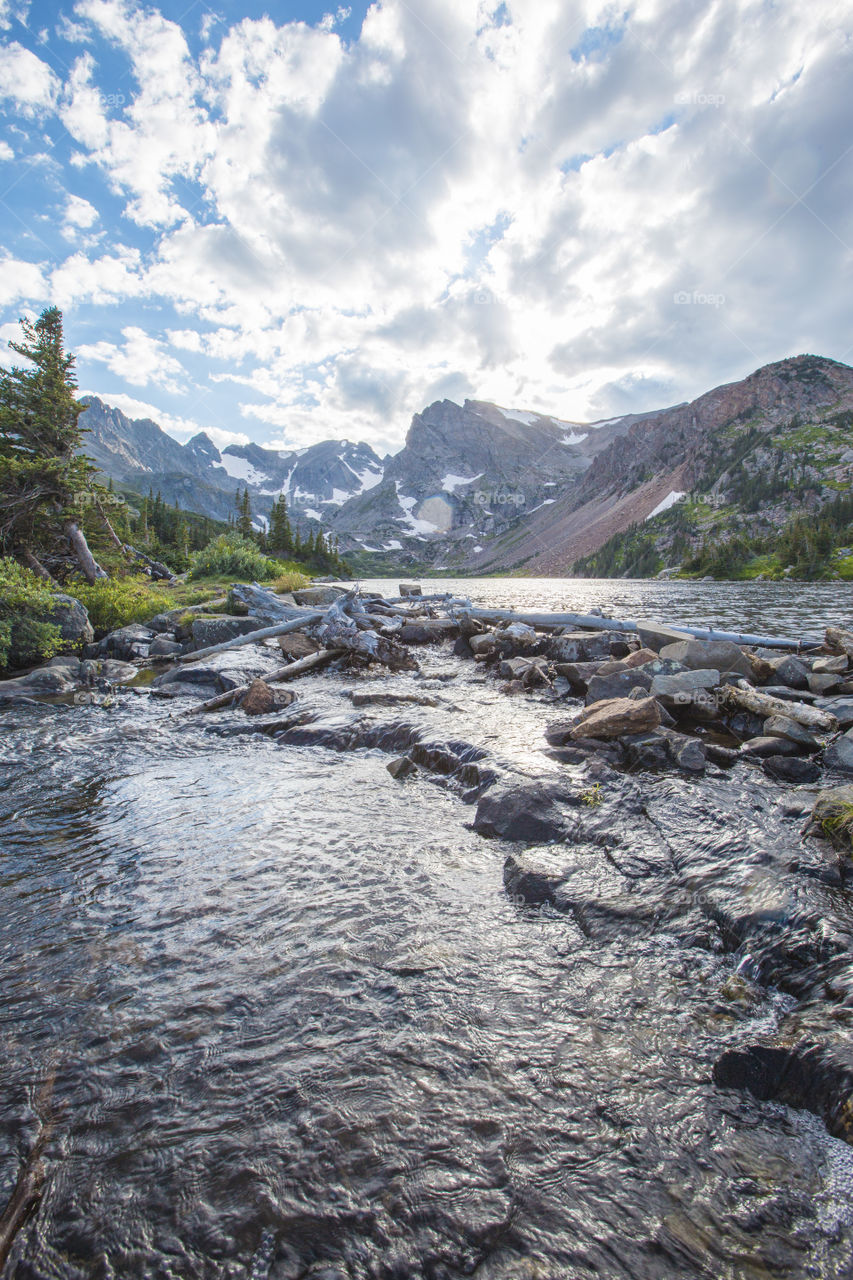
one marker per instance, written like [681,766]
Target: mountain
[316,480]
[478,488]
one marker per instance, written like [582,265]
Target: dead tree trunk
[32,562]
[89,566]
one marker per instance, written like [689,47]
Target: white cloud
[142,360]
[21,281]
[6,152]
[25,79]
[181,429]
[80,213]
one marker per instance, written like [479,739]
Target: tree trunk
[105,521]
[89,566]
[26,556]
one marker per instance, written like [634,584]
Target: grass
[838,826]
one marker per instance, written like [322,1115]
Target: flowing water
[285,1021]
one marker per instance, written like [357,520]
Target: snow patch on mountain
[669,501]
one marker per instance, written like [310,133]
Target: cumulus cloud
[576,209]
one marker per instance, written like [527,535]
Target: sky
[291,222]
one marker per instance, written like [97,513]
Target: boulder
[639,658]
[296,645]
[701,655]
[528,670]
[401,767]
[319,597]
[617,685]
[839,639]
[410,589]
[823,681]
[258,700]
[616,716]
[579,674]
[527,813]
[129,643]
[42,680]
[72,619]
[161,647]
[217,629]
[534,878]
[795,771]
[680,689]
[832,816]
[657,637]
[808,1077]
[483,646]
[841,708]
[831,665]
[791,671]
[782,727]
[579,646]
[70,664]
[840,754]
[427,631]
[116,672]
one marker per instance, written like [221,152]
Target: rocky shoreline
[701,787]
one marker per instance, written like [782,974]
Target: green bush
[114,602]
[232,555]
[25,601]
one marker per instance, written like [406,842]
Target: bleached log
[254,637]
[744,698]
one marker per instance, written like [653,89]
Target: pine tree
[244,512]
[44,483]
[280,534]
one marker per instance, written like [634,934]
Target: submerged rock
[806,1076]
[258,700]
[795,771]
[527,813]
[840,754]
[615,717]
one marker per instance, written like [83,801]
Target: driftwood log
[254,637]
[298,668]
[743,698]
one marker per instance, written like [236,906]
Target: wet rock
[840,754]
[832,816]
[657,637]
[72,619]
[462,648]
[161,647]
[808,1077]
[723,757]
[783,727]
[530,671]
[787,694]
[616,716]
[762,672]
[791,671]
[646,751]
[42,680]
[258,700]
[534,877]
[526,813]
[518,637]
[667,721]
[795,771]
[69,664]
[701,655]
[188,675]
[320,597]
[762,747]
[617,684]
[366,699]
[185,689]
[427,631]
[401,767]
[216,630]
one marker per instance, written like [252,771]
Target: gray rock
[410,589]
[484,645]
[618,684]
[657,637]
[796,771]
[701,655]
[787,694]
[579,646]
[840,754]
[69,663]
[527,813]
[401,768]
[782,727]
[832,815]
[127,643]
[841,708]
[163,648]
[117,672]
[822,682]
[42,680]
[834,665]
[190,675]
[791,671]
[534,878]
[216,630]
[72,619]
[681,689]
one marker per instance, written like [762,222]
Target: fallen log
[744,698]
[308,619]
[311,662]
[592,622]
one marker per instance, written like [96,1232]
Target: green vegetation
[115,602]
[26,635]
[838,826]
[233,555]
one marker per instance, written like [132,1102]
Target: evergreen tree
[44,483]
[280,534]
[244,513]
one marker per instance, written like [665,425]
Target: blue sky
[284,223]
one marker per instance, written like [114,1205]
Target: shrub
[232,556]
[114,602]
[26,601]
[290,580]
